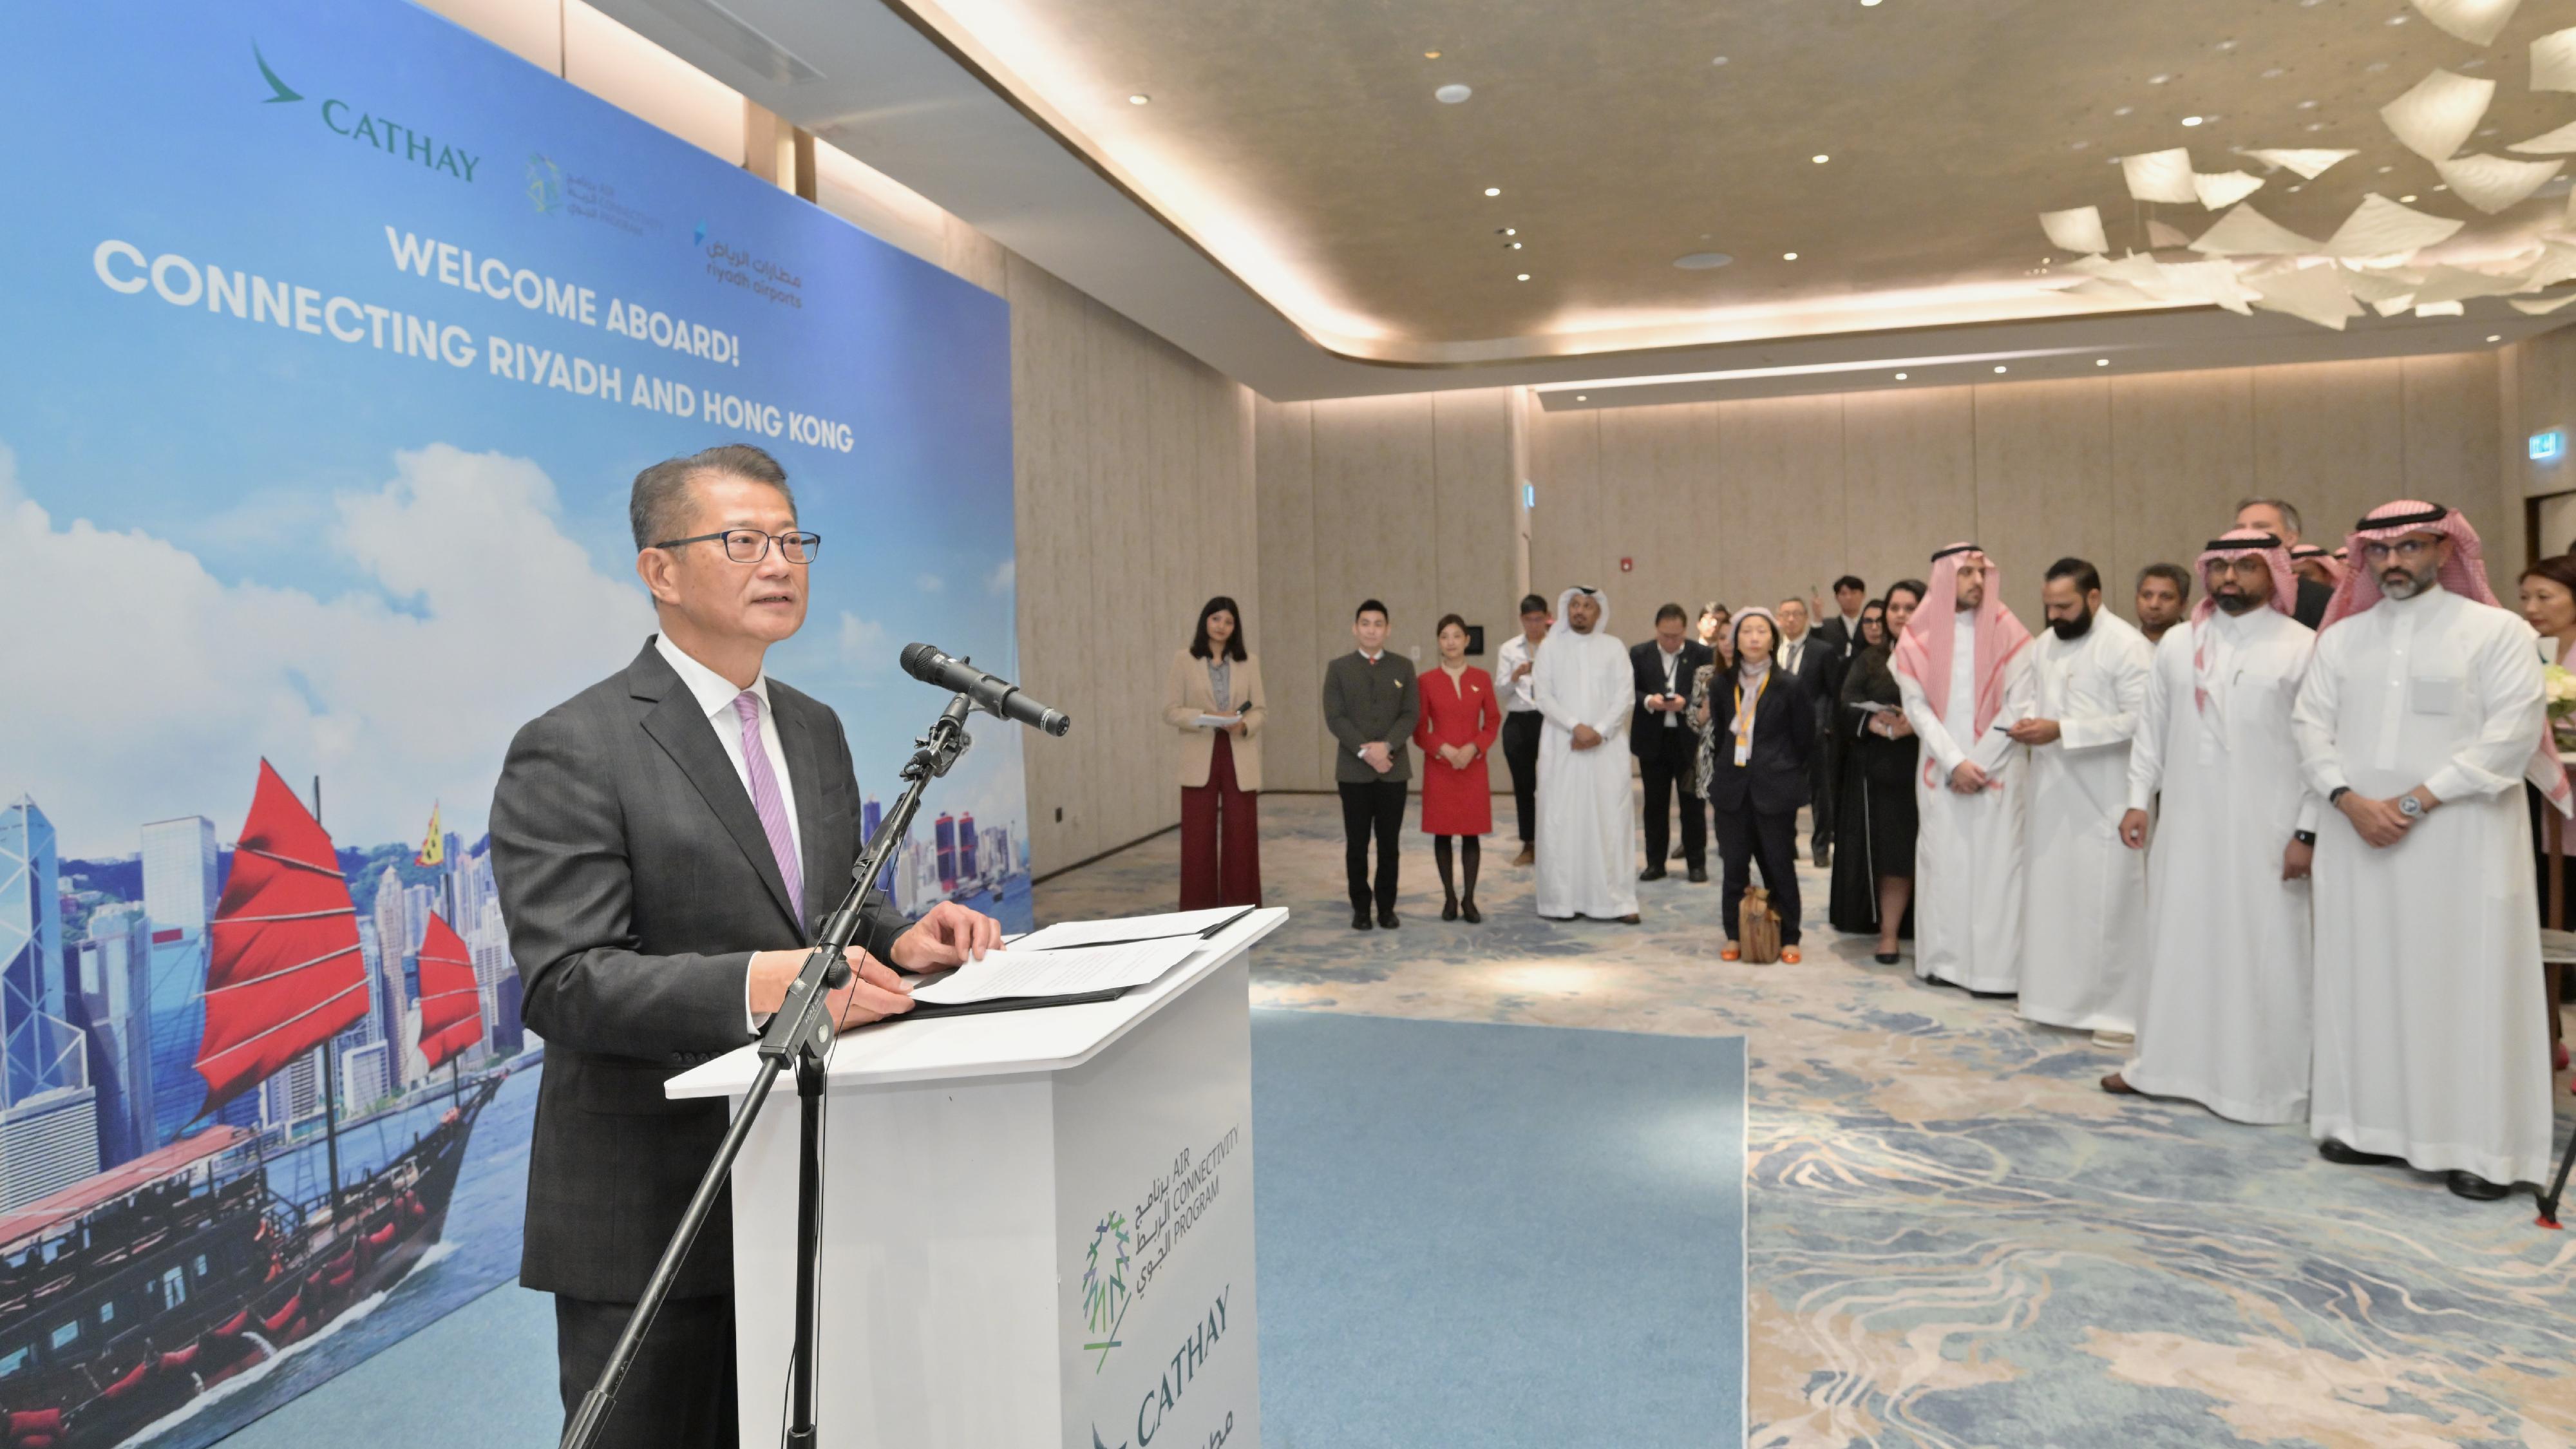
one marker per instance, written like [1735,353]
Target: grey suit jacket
[637,883]
[1364,702]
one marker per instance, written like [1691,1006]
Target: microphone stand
[801,1032]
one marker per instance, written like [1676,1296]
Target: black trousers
[1376,806]
[1669,759]
[680,1392]
[1824,775]
[1745,837]
[1520,751]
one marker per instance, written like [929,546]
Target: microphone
[992,694]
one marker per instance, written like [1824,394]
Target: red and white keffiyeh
[1923,654]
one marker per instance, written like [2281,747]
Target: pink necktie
[765,799]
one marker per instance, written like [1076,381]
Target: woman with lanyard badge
[1760,729]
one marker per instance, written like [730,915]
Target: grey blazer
[637,883]
[1364,702]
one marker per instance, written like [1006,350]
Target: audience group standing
[2268,843]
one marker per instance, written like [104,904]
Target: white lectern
[1037,1225]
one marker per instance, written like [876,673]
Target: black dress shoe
[1885,958]
[1467,908]
[2475,1188]
[1360,920]
[1824,855]
[1449,909]
[2334,1150]
[1652,872]
[1386,918]
[1699,875]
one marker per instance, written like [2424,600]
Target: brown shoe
[1630,919]
[1528,856]
[2118,1086]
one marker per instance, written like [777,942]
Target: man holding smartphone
[1665,743]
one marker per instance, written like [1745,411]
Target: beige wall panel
[2182,454]
[2044,486]
[1052,465]
[1473,471]
[1285,623]
[1655,471]
[530,29]
[1374,528]
[2331,437]
[1127,574]
[1910,483]
[624,69]
[2455,452]
[1777,518]
[1565,526]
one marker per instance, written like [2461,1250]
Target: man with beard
[1585,812]
[2420,715]
[2163,591]
[1963,673]
[2278,518]
[2224,1018]
[2081,948]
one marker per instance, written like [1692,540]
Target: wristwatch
[2410,807]
[2336,796]
[2304,837]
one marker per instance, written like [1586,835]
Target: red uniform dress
[1455,801]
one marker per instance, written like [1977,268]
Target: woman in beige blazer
[1214,697]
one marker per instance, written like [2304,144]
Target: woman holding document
[1213,697]
[1874,868]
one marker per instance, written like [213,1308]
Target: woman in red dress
[1460,719]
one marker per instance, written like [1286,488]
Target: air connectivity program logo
[1104,1286]
[545,184]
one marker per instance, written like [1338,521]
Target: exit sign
[2550,446]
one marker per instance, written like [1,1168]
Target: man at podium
[664,843]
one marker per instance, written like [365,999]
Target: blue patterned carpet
[1955,1239]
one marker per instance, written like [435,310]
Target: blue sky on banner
[325,362]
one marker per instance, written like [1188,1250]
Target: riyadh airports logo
[545,185]
[352,121]
[1105,1293]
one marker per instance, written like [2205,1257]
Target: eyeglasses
[2409,549]
[750,545]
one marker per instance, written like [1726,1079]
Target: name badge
[1743,751]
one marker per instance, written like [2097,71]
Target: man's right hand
[2379,822]
[874,992]
[1968,779]
[1586,737]
[1521,670]
[1374,755]
[2133,830]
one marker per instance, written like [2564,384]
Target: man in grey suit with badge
[664,843]
[1370,705]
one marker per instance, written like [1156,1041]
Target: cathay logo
[405,143]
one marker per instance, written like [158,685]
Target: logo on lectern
[1105,1293]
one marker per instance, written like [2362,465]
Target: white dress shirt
[1518,694]
[715,695]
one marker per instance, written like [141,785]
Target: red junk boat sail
[126,1296]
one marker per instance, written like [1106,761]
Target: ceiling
[1294,206]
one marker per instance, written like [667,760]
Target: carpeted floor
[1956,1239]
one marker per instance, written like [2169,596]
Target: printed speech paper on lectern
[1022,972]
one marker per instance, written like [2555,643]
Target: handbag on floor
[1757,927]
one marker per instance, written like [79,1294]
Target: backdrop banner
[331,338]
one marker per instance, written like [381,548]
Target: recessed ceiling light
[2275,73]
[2078,145]
[2316,125]
[2159,78]
[2227,45]
[1138,99]
[1430,55]
[1583,397]
[1493,191]
[2443,187]
[1450,95]
[2307,105]
[2122,110]
[2473,63]
[2101,362]
[1702,261]
[1511,246]
[2376,66]
[2489,131]
[1999,367]
[1900,377]
[1820,159]
[1717,60]
[2495,337]
[1865,4]
[2302,186]
[1788,256]
[2384,170]
[1523,277]
[2191,120]
[2408,197]
[2396,19]
[1507,231]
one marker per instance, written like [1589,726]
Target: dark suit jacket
[1364,702]
[1774,781]
[1646,727]
[1832,631]
[1819,667]
[637,883]
[2313,599]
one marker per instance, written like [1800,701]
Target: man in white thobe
[1587,817]
[2225,1018]
[2419,720]
[2081,943]
[1963,673]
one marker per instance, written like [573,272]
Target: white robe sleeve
[2128,669]
[1618,684]
[2312,722]
[2147,745]
[2021,697]
[1547,686]
[1927,725]
[2505,681]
